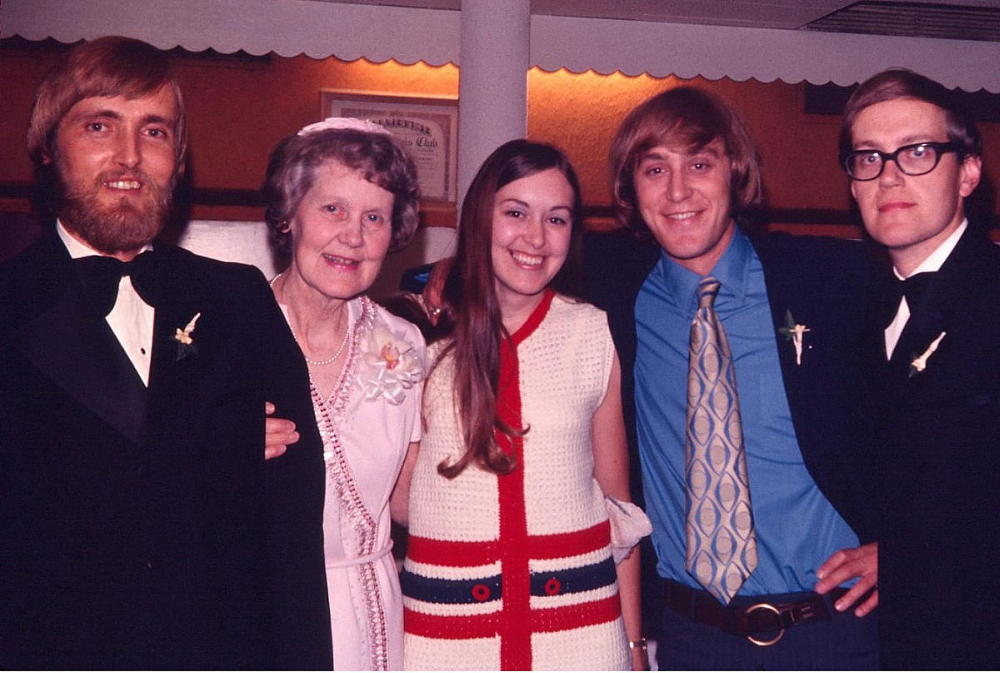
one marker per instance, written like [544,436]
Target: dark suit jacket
[134,527]
[823,282]
[939,463]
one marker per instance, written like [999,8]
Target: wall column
[493,81]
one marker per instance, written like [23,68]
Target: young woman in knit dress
[509,561]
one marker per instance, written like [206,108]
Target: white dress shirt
[131,319]
[933,262]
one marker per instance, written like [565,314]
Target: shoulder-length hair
[690,118]
[470,293]
[291,173]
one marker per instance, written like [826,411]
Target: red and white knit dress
[515,572]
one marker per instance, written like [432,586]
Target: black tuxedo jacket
[939,465]
[823,282]
[134,525]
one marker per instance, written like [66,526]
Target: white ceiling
[783,14]
[739,39]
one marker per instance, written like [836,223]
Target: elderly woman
[342,193]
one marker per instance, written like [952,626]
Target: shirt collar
[936,259]
[732,271]
[78,248]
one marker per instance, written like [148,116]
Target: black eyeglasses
[916,159]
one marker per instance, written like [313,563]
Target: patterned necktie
[721,546]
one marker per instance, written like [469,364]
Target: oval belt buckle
[769,608]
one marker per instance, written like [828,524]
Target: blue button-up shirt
[796,526]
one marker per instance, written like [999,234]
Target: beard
[123,224]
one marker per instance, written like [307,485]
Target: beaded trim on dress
[330,413]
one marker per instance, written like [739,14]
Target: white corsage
[919,363]
[344,123]
[389,366]
[629,524]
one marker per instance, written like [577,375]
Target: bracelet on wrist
[641,643]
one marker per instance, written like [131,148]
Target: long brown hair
[470,292]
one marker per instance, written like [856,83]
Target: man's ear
[969,175]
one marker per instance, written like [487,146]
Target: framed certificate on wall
[427,127]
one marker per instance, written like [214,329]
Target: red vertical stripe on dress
[515,621]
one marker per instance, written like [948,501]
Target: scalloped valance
[379,33]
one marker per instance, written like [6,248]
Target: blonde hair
[691,118]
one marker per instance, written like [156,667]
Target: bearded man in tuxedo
[139,527]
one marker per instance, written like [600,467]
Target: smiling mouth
[526,260]
[341,261]
[123,185]
[686,215]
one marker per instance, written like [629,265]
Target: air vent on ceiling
[914,19]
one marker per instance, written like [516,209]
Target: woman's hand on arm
[279,433]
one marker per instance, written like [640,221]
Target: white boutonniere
[185,342]
[919,363]
[793,332]
[390,366]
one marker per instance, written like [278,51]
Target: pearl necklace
[314,363]
[319,363]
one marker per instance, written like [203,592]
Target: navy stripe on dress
[481,590]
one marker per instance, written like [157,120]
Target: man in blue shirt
[686,174]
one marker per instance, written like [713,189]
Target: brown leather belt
[758,617]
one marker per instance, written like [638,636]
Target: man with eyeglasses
[913,158]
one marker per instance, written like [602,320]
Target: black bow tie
[100,277]
[913,288]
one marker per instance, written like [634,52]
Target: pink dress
[366,425]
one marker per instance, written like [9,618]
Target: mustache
[137,175]
[60,192]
